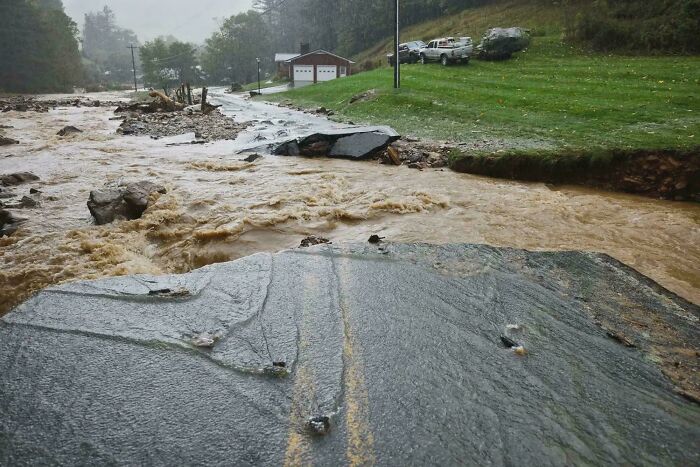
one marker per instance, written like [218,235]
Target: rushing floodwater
[219,209]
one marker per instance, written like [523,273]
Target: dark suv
[409,52]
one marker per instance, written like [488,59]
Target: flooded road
[218,208]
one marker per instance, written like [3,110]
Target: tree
[105,45]
[39,50]
[230,53]
[168,64]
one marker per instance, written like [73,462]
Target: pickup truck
[409,52]
[448,50]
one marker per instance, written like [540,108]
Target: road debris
[313,240]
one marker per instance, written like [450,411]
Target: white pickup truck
[448,50]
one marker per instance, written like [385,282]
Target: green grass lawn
[551,96]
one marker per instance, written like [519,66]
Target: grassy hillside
[548,97]
[541,17]
[552,113]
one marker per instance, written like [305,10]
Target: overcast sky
[188,20]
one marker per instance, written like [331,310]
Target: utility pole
[133,64]
[397,59]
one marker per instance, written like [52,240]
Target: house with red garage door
[317,66]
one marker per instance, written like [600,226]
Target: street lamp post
[258,60]
[397,59]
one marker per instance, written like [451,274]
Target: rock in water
[136,196]
[17,178]
[106,206]
[126,202]
[4,141]
[68,130]
[252,158]
[407,346]
[9,223]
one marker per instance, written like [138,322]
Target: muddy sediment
[665,174]
[220,208]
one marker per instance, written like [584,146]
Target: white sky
[188,20]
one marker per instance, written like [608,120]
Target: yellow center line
[360,446]
[298,447]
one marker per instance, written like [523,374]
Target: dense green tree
[230,54]
[105,46]
[169,63]
[645,26]
[38,47]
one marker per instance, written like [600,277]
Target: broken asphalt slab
[348,143]
[386,354]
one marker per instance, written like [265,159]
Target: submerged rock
[402,351]
[9,223]
[5,141]
[68,130]
[357,143]
[17,178]
[126,202]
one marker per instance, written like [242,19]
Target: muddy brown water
[219,209]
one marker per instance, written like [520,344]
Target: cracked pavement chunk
[403,354]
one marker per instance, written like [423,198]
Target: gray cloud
[187,20]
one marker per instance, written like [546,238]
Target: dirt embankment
[667,173]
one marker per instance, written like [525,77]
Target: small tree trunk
[189,94]
[205,91]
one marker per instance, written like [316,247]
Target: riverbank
[219,208]
[664,173]
[544,105]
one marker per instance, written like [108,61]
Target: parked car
[447,50]
[409,52]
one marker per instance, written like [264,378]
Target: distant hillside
[625,26]
[542,17]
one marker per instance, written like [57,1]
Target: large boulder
[370,354]
[125,202]
[501,43]
[349,143]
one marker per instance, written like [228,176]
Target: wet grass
[551,96]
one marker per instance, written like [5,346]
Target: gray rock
[252,158]
[136,196]
[399,350]
[5,141]
[17,178]
[9,223]
[107,205]
[68,130]
[501,43]
[126,202]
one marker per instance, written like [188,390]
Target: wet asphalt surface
[359,354]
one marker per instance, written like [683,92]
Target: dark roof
[319,51]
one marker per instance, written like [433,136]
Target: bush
[647,26]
